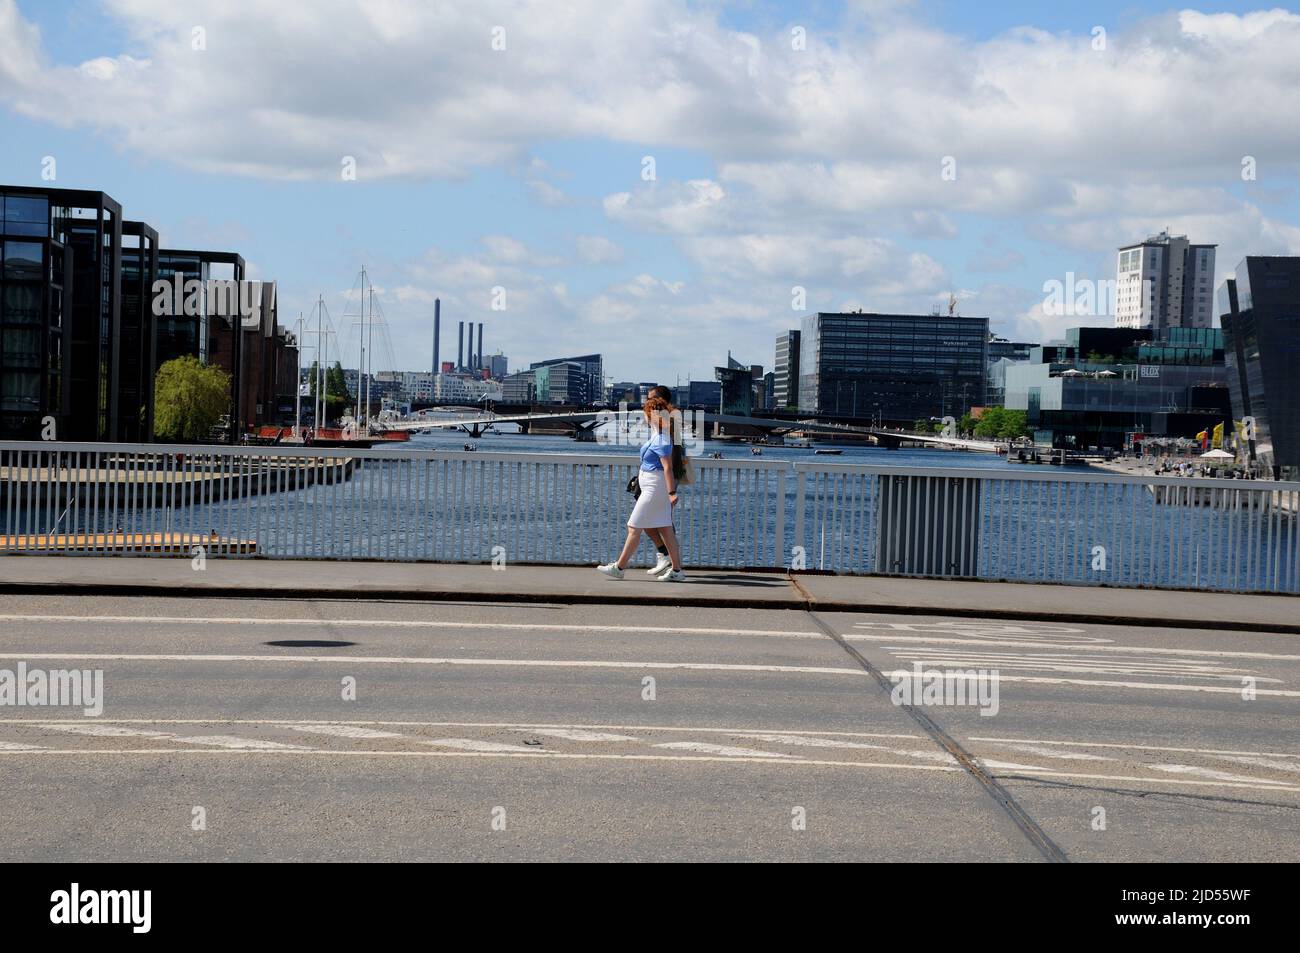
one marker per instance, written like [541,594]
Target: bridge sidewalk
[156,576]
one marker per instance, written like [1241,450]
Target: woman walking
[654,505]
[662,562]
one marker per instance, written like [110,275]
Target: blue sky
[774,169]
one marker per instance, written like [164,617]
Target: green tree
[1015,423]
[190,398]
[990,422]
[922,425]
[966,424]
[998,423]
[337,397]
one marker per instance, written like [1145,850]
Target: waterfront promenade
[378,711]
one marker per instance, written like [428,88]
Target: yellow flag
[1217,442]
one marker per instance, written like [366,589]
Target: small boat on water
[827,453]
[328,437]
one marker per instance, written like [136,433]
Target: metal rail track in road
[1008,804]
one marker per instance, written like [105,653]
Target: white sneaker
[663,563]
[611,570]
[672,575]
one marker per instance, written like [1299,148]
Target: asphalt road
[500,732]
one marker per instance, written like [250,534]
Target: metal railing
[1020,524]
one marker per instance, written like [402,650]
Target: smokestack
[479,365]
[437,333]
[460,347]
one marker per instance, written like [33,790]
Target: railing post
[779,542]
[800,493]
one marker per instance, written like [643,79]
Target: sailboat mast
[362,398]
[319,409]
[370,347]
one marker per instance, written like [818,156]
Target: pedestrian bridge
[476,424]
[1025,524]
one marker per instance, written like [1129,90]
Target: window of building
[24,215]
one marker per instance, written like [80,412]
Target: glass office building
[1260,313]
[892,368]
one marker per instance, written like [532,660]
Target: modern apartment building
[1165,282]
[581,383]
[60,313]
[785,370]
[80,339]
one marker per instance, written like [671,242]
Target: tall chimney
[437,334]
[479,365]
[460,347]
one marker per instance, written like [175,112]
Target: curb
[805,602]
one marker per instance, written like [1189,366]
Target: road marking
[1099,683]
[530,726]
[1182,782]
[117,731]
[531,753]
[1013,766]
[1137,747]
[727,751]
[807,742]
[577,734]
[108,731]
[345,731]
[408,624]
[1091,643]
[1064,755]
[941,756]
[1209,773]
[1290,766]
[1216,653]
[18,746]
[979,629]
[1073,663]
[230,741]
[568,756]
[469,662]
[472,744]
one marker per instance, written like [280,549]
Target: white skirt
[653,508]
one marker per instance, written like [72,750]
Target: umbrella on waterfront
[1072,372]
[1217,455]
[1107,374]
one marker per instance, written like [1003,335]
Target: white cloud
[825,162]
[598,250]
